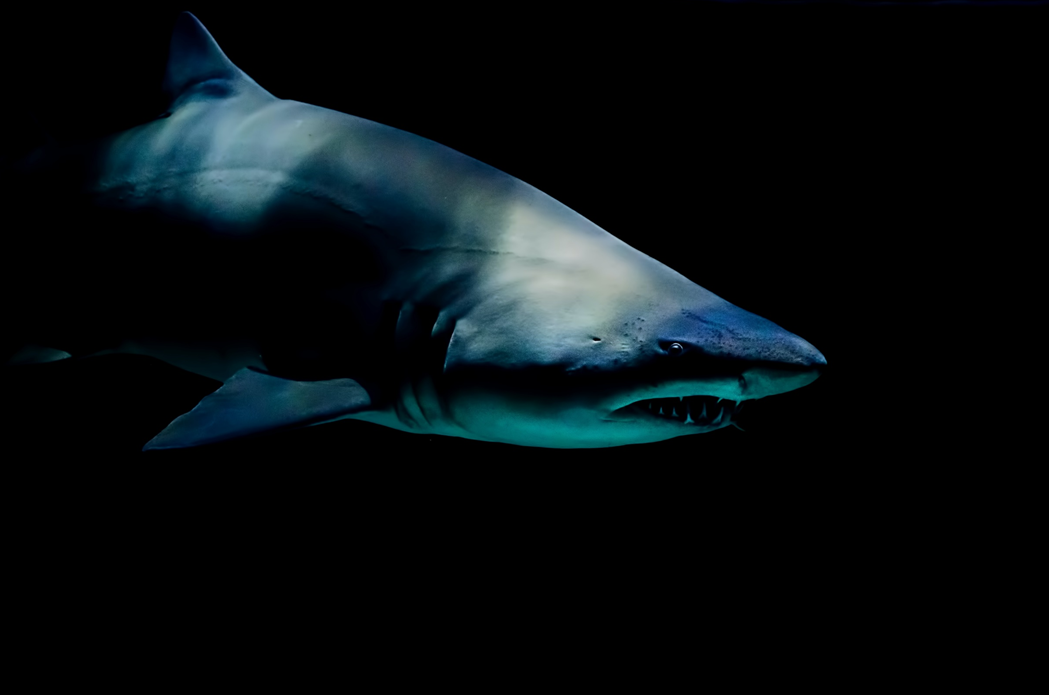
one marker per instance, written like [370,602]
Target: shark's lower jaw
[702,411]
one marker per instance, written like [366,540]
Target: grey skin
[325,267]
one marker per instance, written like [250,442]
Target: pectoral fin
[252,402]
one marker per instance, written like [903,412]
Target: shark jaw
[591,412]
[709,405]
[704,413]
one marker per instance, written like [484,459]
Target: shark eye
[675,349]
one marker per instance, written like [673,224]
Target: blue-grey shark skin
[346,269]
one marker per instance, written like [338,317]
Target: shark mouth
[707,411]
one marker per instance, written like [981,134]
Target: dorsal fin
[198,69]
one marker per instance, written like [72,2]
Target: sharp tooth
[689,420]
[718,401]
[703,415]
[717,420]
[680,398]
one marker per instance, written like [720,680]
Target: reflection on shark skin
[327,267]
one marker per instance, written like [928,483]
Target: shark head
[653,377]
[591,343]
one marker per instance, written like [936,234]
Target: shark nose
[798,363]
[795,360]
[774,359]
[739,334]
[808,355]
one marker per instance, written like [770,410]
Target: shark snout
[796,363]
[766,358]
[802,353]
[728,332]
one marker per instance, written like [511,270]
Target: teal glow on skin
[514,318]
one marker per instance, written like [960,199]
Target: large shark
[324,267]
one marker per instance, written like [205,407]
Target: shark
[326,267]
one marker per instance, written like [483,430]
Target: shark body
[324,267]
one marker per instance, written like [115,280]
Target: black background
[826,167]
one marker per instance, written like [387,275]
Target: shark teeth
[706,411]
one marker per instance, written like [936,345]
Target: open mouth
[708,411]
